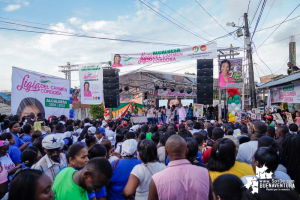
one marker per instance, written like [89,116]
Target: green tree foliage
[97,111]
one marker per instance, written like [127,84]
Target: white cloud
[26,3]
[12,7]
[74,20]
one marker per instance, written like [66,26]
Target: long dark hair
[23,185]
[222,156]
[83,133]
[29,101]
[268,156]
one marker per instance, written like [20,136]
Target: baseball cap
[92,130]
[104,123]
[129,147]
[52,141]
[212,121]
[101,130]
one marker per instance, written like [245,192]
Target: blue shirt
[100,194]
[26,138]
[198,158]
[120,177]
[190,112]
[19,142]
[14,153]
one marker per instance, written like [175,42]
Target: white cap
[212,121]
[129,147]
[104,123]
[92,130]
[52,141]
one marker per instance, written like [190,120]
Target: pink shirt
[182,180]
[297,120]
[89,95]
[114,65]
[222,81]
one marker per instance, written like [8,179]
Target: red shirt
[206,155]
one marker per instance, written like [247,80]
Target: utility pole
[249,55]
[292,51]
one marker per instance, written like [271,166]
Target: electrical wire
[170,21]
[280,40]
[258,19]
[184,17]
[262,60]
[282,66]
[248,6]
[85,36]
[267,14]
[256,12]
[277,28]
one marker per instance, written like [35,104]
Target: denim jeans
[159,119]
[163,118]
[150,120]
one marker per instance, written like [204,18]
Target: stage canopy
[145,80]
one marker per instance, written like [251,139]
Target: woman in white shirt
[5,160]
[141,175]
[168,114]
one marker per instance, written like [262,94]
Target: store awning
[283,81]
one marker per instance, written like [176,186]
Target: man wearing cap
[53,161]
[100,134]
[91,131]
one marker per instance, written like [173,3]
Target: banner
[198,110]
[168,93]
[38,93]
[289,94]
[204,51]
[277,117]
[124,98]
[91,83]
[289,117]
[230,73]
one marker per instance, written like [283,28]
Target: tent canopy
[145,80]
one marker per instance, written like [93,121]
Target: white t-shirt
[111,136]
[144,174]
[246,151]
[159,114]
[150,113]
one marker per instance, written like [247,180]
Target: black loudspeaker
[205,64]
[205,81]
[111,88]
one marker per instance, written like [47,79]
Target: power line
[258,19]
[280,40]
[214,18]
[262,60]
[256,11]
[282,66]
[93,37]
[248,6]
[277,27]
[267,14]
[172,22]
[185,18]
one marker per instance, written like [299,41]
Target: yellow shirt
[239,169]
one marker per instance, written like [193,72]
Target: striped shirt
[50,167]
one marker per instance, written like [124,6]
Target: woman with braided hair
[290,158]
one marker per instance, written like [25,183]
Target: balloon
[229,90]
[231,94]
[71,90]
[71,100]
[239,105]
[230,101]
[237,108]
[232,112]
[71,111]
[235,90]
[230,115]
[238,93]
[71,116]
[233,105]
[105,109]
[235,97]
[236,101]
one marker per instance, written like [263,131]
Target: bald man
[246,150]
[180,180]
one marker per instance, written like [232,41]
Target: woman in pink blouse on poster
[87,92]
[224,76]
[117,60]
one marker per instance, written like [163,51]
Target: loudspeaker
[111,88]
[205,64]
[205,101]
[205,72]
[205,81]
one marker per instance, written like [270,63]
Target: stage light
[120,90]
[172,89]
[126,88]
[165,88]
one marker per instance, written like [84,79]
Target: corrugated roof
[295,76]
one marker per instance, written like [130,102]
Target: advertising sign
[124,98]
[38,93]
[289,117]
[91,83]
[230,73]
[168,93]
[288,94]
[204,51]
[198,110]
[278,118]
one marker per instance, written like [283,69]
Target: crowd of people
[96,159]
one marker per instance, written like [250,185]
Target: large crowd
[182,158]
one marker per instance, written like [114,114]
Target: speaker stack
[111,88]
[205,81]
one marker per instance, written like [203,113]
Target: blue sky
[130,19]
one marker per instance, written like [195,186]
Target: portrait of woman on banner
[30,105]
[87,92]
[117,60]
[224,76]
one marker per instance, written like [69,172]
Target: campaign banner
[230,73]
[91,83]
[289,94]
[124,98]
[198,110]
[289,117]
[277,117]
[168,93]
[203,51]
[39,93]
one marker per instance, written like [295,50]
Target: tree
[97,111]
[189,73]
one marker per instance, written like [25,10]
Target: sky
[132,20]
